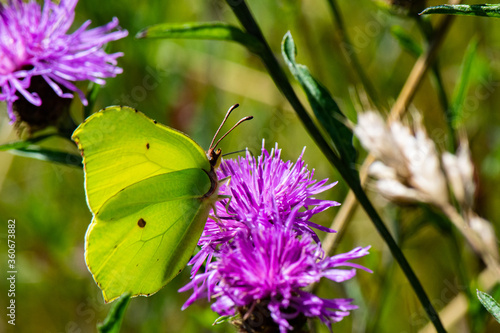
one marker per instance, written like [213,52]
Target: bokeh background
[189,85]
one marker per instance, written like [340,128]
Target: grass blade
[460,91]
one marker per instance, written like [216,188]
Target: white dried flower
[376,137]
[381,171]
[425,168]
[394,191]
[409,154]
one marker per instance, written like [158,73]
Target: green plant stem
[351,177]
[352,58]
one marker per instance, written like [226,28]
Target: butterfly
[150,189]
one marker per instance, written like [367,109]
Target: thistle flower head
[37,56]
[260,188]
[265,270]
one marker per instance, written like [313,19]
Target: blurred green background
[189,85]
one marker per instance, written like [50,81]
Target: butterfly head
[214,157]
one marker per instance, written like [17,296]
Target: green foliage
[24,143]
[460,92]
[209,30]
[471,10]
[224,319]
[114,320]
[49,155]
[322,103]
[490,304]
[406,41]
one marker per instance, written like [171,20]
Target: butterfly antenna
[235,152]
[232,128]
[222,124]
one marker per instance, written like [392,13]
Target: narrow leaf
[23,144]
[406,41]
[324,106]
[207,30]
[490,304]
[472,10]
[49,155]
[460,91]
[115,316]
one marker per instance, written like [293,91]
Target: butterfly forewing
[122,146]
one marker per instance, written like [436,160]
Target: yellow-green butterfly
[150,189]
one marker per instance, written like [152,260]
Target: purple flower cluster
[34,43]
[261,251]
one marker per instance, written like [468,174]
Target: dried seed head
[412,164]
[396,192]
[425,168]
[381,171]
[376,137]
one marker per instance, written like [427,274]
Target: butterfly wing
[122,146]
[146,185]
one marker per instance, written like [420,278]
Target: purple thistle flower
[34,46]
[265,271]
[256,185]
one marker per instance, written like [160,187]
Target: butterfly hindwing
[146,233]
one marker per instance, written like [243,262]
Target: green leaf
[460,91]
[223,319]
[471,10]
[49,155]
[406,41]
[23,144]
[325,108]
[490,304]
[115,316]
[206,30]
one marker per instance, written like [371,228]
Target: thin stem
[245,17]
[352,58]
